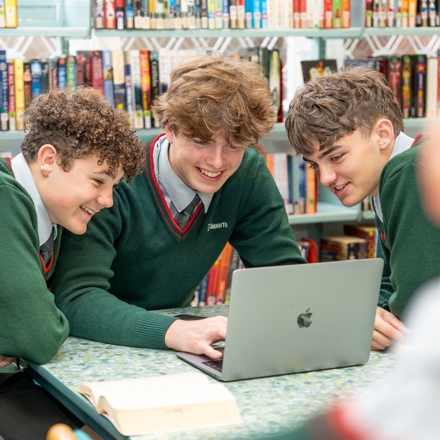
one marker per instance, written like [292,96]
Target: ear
[169,134]
[385,131]
[47,159]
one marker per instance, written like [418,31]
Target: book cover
[44,75]
[314,68]
[53,73]
[27,84]
[118,78]
[110,14]
[146,87]
[312,254]
[203,290]
[120,14]
[419,86]
[337,14]
[129,14]
[235,262]
[223,275]
[129,93]
[148,405]
[345,247]
[274,78]
[11,96]
[2,14]
[71,73]
[394,77]
[372,63]
[107,69]
[155,81]
[19,92]
[37,78]
[133,58]
[431,87]
[212,283]
[4,95]
[137,11]
[11,12]
[62,73]
[368,233]
[98,14]
[96,71]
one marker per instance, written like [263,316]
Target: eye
[314,166]
[98,181]
[336,158]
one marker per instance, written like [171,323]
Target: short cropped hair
[333,106]
[79,125]
[212,95]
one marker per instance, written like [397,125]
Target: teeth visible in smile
[209,174]
[340,187]
[87,210]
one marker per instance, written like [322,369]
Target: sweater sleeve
[81,284]
[262,235]
[413,241]
[31,325]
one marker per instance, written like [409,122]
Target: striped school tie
[46,249]
[183,217]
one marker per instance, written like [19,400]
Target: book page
[141,386]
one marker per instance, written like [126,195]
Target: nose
[216,157]
[326,175]
[105,199]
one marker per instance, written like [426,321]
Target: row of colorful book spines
[390,13]
[296,181]
[215,287]
[221,14]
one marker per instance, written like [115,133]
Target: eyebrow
[325,152]
[107,173]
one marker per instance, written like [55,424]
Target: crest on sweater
[221,225]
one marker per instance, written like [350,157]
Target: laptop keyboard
[216,364]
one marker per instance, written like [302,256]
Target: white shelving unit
[71,19]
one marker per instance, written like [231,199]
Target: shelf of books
[391,31]
[326,212]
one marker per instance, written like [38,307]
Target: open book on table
[162,403]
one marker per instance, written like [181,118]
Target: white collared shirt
[24,177]
[177,194]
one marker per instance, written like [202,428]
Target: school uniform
[31,326]
[134,258]
[408,242]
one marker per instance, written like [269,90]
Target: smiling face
[351,167]
[72,197]
[204,167]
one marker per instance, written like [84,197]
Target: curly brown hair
[79,125]
[333,106]
[212,95]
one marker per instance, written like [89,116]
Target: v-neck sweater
[135,259]
[31,325]
[409,243]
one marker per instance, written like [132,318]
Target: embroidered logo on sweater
[221,225]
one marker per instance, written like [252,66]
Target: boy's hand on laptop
[387,330]
[4,361]
[197,336]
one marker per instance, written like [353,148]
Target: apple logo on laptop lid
[304,319]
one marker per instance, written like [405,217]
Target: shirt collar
[180,194]
[24,177]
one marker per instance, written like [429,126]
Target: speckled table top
[267,405]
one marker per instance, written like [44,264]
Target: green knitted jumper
[409,243]
[134,258]
[31,326]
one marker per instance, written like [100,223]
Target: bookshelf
[71,19]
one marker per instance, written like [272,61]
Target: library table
[268,405]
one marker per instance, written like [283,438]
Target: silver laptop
[290,319]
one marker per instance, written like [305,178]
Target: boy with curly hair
[151,254]
[76,151]
[348,127]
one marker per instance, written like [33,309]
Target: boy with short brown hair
[76,151]
[153,250]
[348,127]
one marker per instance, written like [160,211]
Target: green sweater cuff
[151,329]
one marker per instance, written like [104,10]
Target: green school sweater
[31,326]
[134,259]
[409,243]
